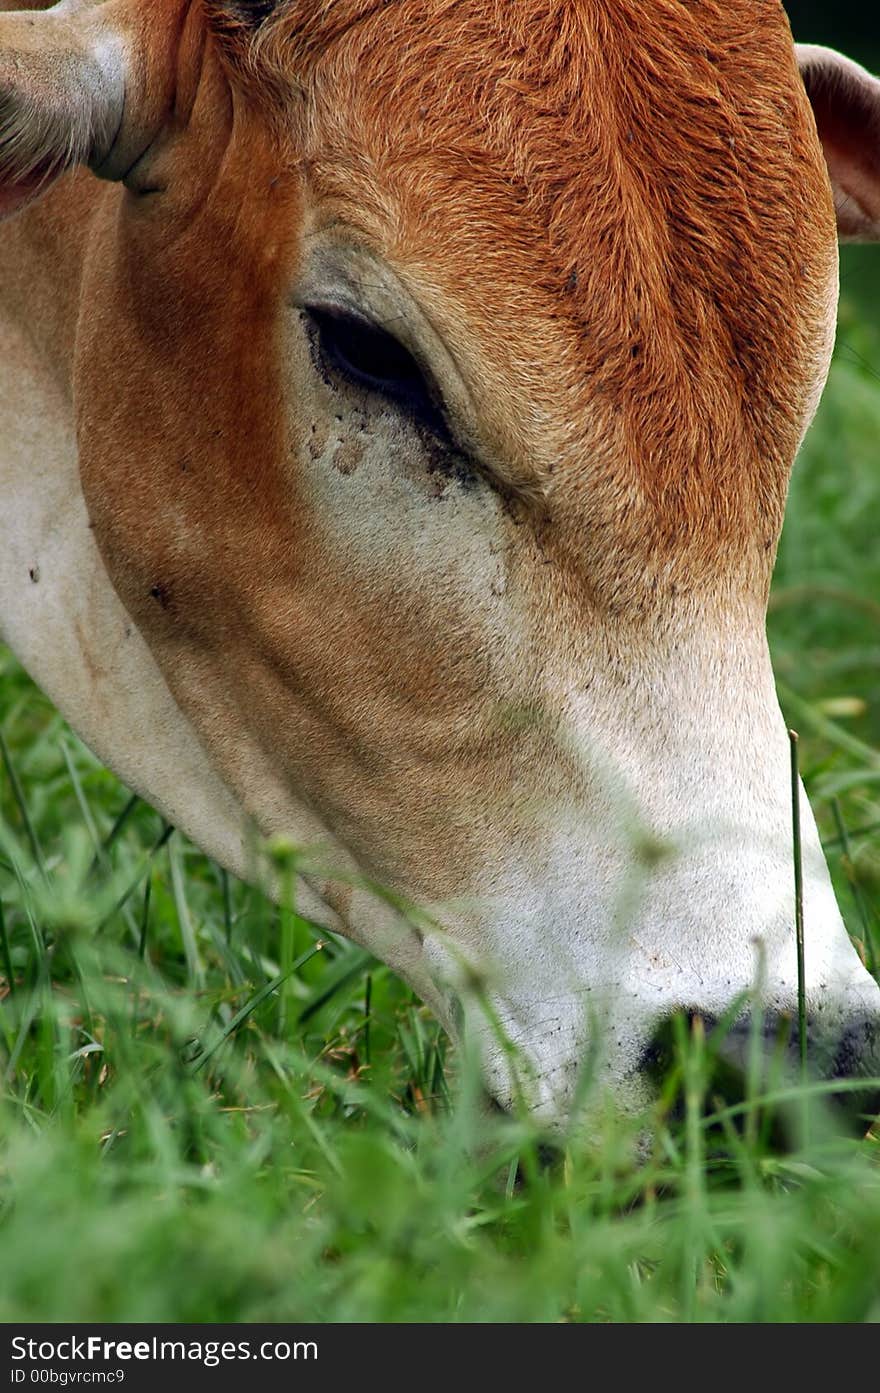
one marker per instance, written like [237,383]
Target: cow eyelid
[371,358]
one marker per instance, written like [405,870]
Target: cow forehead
[636,190]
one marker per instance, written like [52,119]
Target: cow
[398,403]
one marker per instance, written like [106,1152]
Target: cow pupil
[373,359]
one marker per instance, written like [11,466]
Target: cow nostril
[723,1071]
[738,1065]
[662,1052]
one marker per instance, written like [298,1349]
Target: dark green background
[850,25]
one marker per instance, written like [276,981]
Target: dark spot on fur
[161,594]
[445,463]
[34,574]
[348,455]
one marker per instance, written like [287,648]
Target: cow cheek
[269,645]
[180,413]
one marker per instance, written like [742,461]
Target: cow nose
[771,1046]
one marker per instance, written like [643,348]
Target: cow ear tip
[61,98]
[846,103]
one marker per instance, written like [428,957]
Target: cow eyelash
[375,361]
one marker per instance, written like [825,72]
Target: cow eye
[374,360]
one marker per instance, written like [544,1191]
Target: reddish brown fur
[637,191]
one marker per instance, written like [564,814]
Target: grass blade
[142,871]
[262,995]
[7,955]
[852,879]
[21,804]
[794,741]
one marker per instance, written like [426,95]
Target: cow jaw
[668,887]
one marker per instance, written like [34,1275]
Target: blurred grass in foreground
[184,1139]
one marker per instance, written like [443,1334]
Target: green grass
[184,1139]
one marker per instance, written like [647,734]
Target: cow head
[438,375]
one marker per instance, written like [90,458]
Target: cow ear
[62,93]
[846,102]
